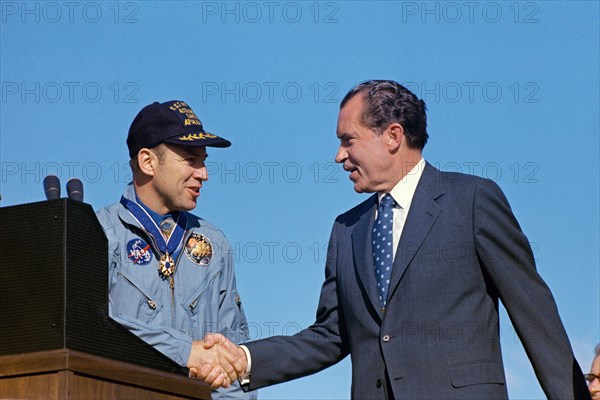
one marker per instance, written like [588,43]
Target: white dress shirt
[403,194]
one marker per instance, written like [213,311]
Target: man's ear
[147,161]
[395,136]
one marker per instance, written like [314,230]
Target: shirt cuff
[245,379]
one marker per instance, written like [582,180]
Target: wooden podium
[68,374]
[56,338]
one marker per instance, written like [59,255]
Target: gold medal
[166,265]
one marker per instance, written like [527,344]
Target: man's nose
[201,173]
[341,155]
[594,387]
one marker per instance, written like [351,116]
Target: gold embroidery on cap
[197,136]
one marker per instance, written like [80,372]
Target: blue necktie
[383,246]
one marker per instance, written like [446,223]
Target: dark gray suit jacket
[460,252]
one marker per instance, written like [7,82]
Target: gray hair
[386,102]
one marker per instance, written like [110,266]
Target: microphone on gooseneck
[52,187]
[75,189]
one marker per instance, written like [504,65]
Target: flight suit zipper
[172,287]
[172,282]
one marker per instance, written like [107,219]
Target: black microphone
[52,187]
[75,189]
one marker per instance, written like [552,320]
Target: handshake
[216,361]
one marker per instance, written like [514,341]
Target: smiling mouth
[349,168]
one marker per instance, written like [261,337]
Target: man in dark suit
[414,275]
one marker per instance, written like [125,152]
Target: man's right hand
[216,360]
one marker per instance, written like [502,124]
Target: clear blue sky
[512,90]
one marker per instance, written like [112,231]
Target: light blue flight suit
[202,297]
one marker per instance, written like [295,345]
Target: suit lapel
[422,214]
[363,254]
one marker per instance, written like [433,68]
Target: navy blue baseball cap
[171,122]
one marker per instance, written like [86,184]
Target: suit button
[386,338]
[378,384]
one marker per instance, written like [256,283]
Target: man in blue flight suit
[171,274]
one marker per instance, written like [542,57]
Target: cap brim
[199,139]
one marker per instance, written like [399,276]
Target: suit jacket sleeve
[283,358]
[507,258]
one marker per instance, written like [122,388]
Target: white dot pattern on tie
[382,245]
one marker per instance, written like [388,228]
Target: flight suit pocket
[202,308]
[131,300]
[475,373]
[238,331]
